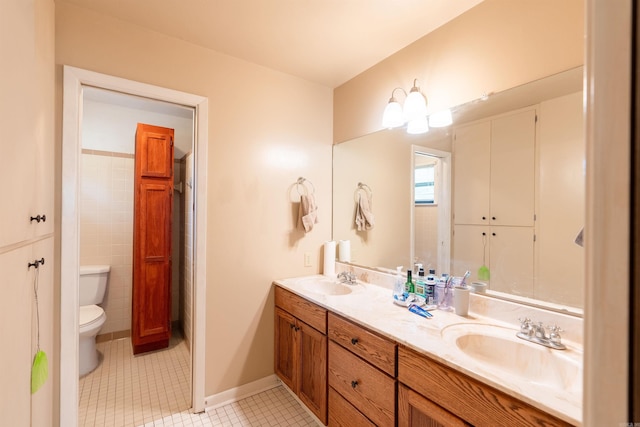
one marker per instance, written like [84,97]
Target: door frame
[73,81]
[444,205]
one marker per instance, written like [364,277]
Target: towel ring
[362,187]
[300,183]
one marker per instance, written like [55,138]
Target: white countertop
[372,306]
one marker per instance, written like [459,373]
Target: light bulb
[415,106]
[417,126]
[440,118]
[392,116]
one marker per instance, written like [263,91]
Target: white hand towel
[307,212]
[364,216]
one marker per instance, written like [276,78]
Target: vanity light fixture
[393,116]
[414,112]
[415,106]
[440,118]
[418,126]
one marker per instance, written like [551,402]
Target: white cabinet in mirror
[515,200]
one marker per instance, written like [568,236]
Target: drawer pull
[354,341]
[38,218]
[354,384]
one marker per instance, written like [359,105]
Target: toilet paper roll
[344,251]
[329,265]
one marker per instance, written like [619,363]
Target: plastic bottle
[398,287]
[408,286]
[430,284]
[420,286]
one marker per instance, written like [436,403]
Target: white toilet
[93,284]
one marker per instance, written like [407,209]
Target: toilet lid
[90,313]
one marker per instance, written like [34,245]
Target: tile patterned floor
[153,390]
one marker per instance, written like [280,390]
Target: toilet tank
[93,283]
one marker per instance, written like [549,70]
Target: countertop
[371,306]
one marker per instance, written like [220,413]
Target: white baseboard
[241,392]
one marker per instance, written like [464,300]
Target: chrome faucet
[347,277]
[537,333]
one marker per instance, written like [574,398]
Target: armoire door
[153,200]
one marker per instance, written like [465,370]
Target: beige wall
[266,129]
[494,46]
[106,228]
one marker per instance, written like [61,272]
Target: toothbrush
[464,278]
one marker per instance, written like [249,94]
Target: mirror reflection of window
[425,179]
[424,185]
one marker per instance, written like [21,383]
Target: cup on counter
[461,300]
[479,287]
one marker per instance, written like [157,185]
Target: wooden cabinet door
[471,177]
[285,348]
[312,370]
[512,169]
[151,305]
[417,411]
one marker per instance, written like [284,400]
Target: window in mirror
[424,184]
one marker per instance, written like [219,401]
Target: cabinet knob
[292,326]
[38,218]
[354,341]
[493,218]
[354,384]
[484,217]
[493,234]
[484,234]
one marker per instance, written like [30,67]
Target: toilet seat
[90,315]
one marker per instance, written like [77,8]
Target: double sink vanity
[356,359]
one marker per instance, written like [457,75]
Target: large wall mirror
[501,188]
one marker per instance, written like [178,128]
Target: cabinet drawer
[376,350]
[370,390]
[343,414]
[470,399]
[415,410]
[311,314]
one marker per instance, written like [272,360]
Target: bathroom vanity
[356,359]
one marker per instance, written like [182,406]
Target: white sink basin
[326,286]
[498,349]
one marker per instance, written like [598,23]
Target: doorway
[431,208]
[75,82]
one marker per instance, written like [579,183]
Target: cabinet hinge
[536,118]
[534,237]
[535,217]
